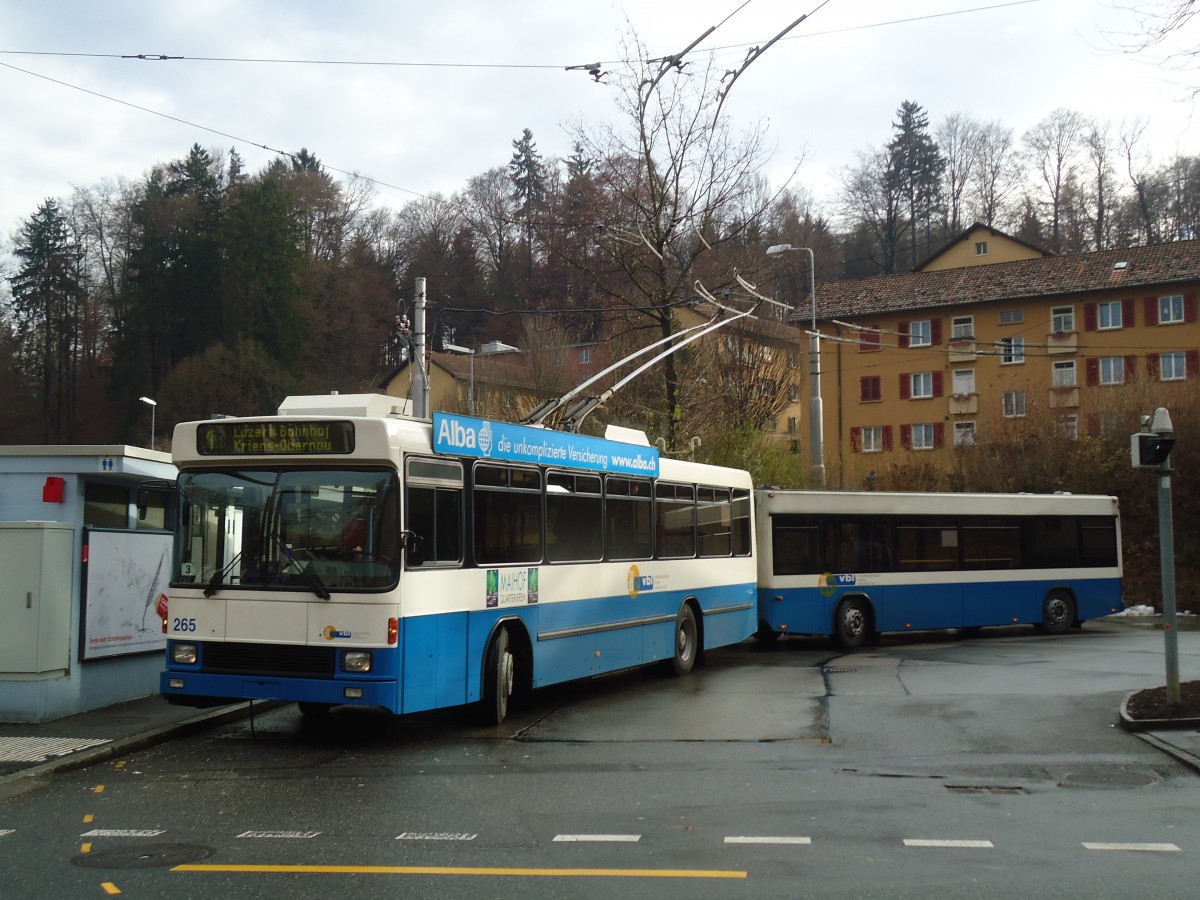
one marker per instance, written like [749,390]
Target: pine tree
[917,165]
[47,299]
[528,175]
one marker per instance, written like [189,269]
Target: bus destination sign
[274,438]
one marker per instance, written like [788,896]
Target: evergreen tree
[528,175]
[917,165]
[47,300]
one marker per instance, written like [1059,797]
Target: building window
[1170,310]
[981,248]
[1108,315]
[872,439]
[1062,319]
[1068,427]
[1012,317]
[922,385]
[793,425]
[964,434]
[1013,404]
[1112,370]
[793,393]
[962,328]
[922,437]
[1063,374]
[1172,366]
[870,388]
[585,355]
[1012,350]
[964,382]
[920,334]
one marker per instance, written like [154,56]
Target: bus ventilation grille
[269,659]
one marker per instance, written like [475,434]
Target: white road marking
[34,749]
[767,840]
[921,842]
[279,834]
[4,831]
[123,832]
[1144,848]
[434,836]
[598,838]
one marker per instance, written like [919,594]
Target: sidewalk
[31,752]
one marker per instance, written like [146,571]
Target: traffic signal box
[1149,451]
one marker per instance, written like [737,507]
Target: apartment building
[992,337]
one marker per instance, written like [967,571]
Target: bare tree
[1136,167]
[1097,142]
[996,174]
[959,139]
[872,201]
[673,178]
[1053,149]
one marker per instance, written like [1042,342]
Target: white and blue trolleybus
[854,564]
[341,552]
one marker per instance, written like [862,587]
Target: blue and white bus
[855,564]
[341,552]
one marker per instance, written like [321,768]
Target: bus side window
[434,511]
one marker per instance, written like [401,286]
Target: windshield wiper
[311,578]
[214,583]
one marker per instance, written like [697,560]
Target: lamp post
[815,417]
[152,405]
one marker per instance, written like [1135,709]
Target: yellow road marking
[465,870]
[86,848]
[88,818]
[98,789]
[109,887]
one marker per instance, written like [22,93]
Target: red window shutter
[906,437]
[1130,369]
[1189,307]
[935,331]
[903,329]
[869,341]
[937,384]
[1093,424]
[1152,365]
[887,437]
[1093,372]
[856,440]
[1089,317]
[864,389]
[1192,359]
[1150,308]
[939,435]
[905,385]
[1126,313]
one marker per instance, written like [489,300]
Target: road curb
[1188,759]
[29,779]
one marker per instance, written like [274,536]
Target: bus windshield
[317,530]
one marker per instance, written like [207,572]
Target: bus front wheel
[1058,613]
[852,623]
[498,677]
[686,637]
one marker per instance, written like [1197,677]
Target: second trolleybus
[854,564]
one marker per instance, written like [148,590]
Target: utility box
[35,597]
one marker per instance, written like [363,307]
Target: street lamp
[816,439]
[152,406]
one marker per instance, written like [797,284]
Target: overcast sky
[464,77]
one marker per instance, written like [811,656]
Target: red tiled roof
[1145,267]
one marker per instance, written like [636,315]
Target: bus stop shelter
[83,577]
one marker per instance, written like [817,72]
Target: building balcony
[962,351]
[1062,342]
[964,404]
[1064,397]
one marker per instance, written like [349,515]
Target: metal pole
[816,418]
[421,394]
[1166,554]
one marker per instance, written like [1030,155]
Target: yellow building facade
[915,365]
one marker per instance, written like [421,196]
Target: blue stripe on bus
[810,610]
[439,658]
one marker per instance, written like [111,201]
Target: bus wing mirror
[412,549]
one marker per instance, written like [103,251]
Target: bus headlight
[184,654]
[356,661]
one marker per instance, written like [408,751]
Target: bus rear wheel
[498,676]
[852,623]
[1058,613]
[686,637]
